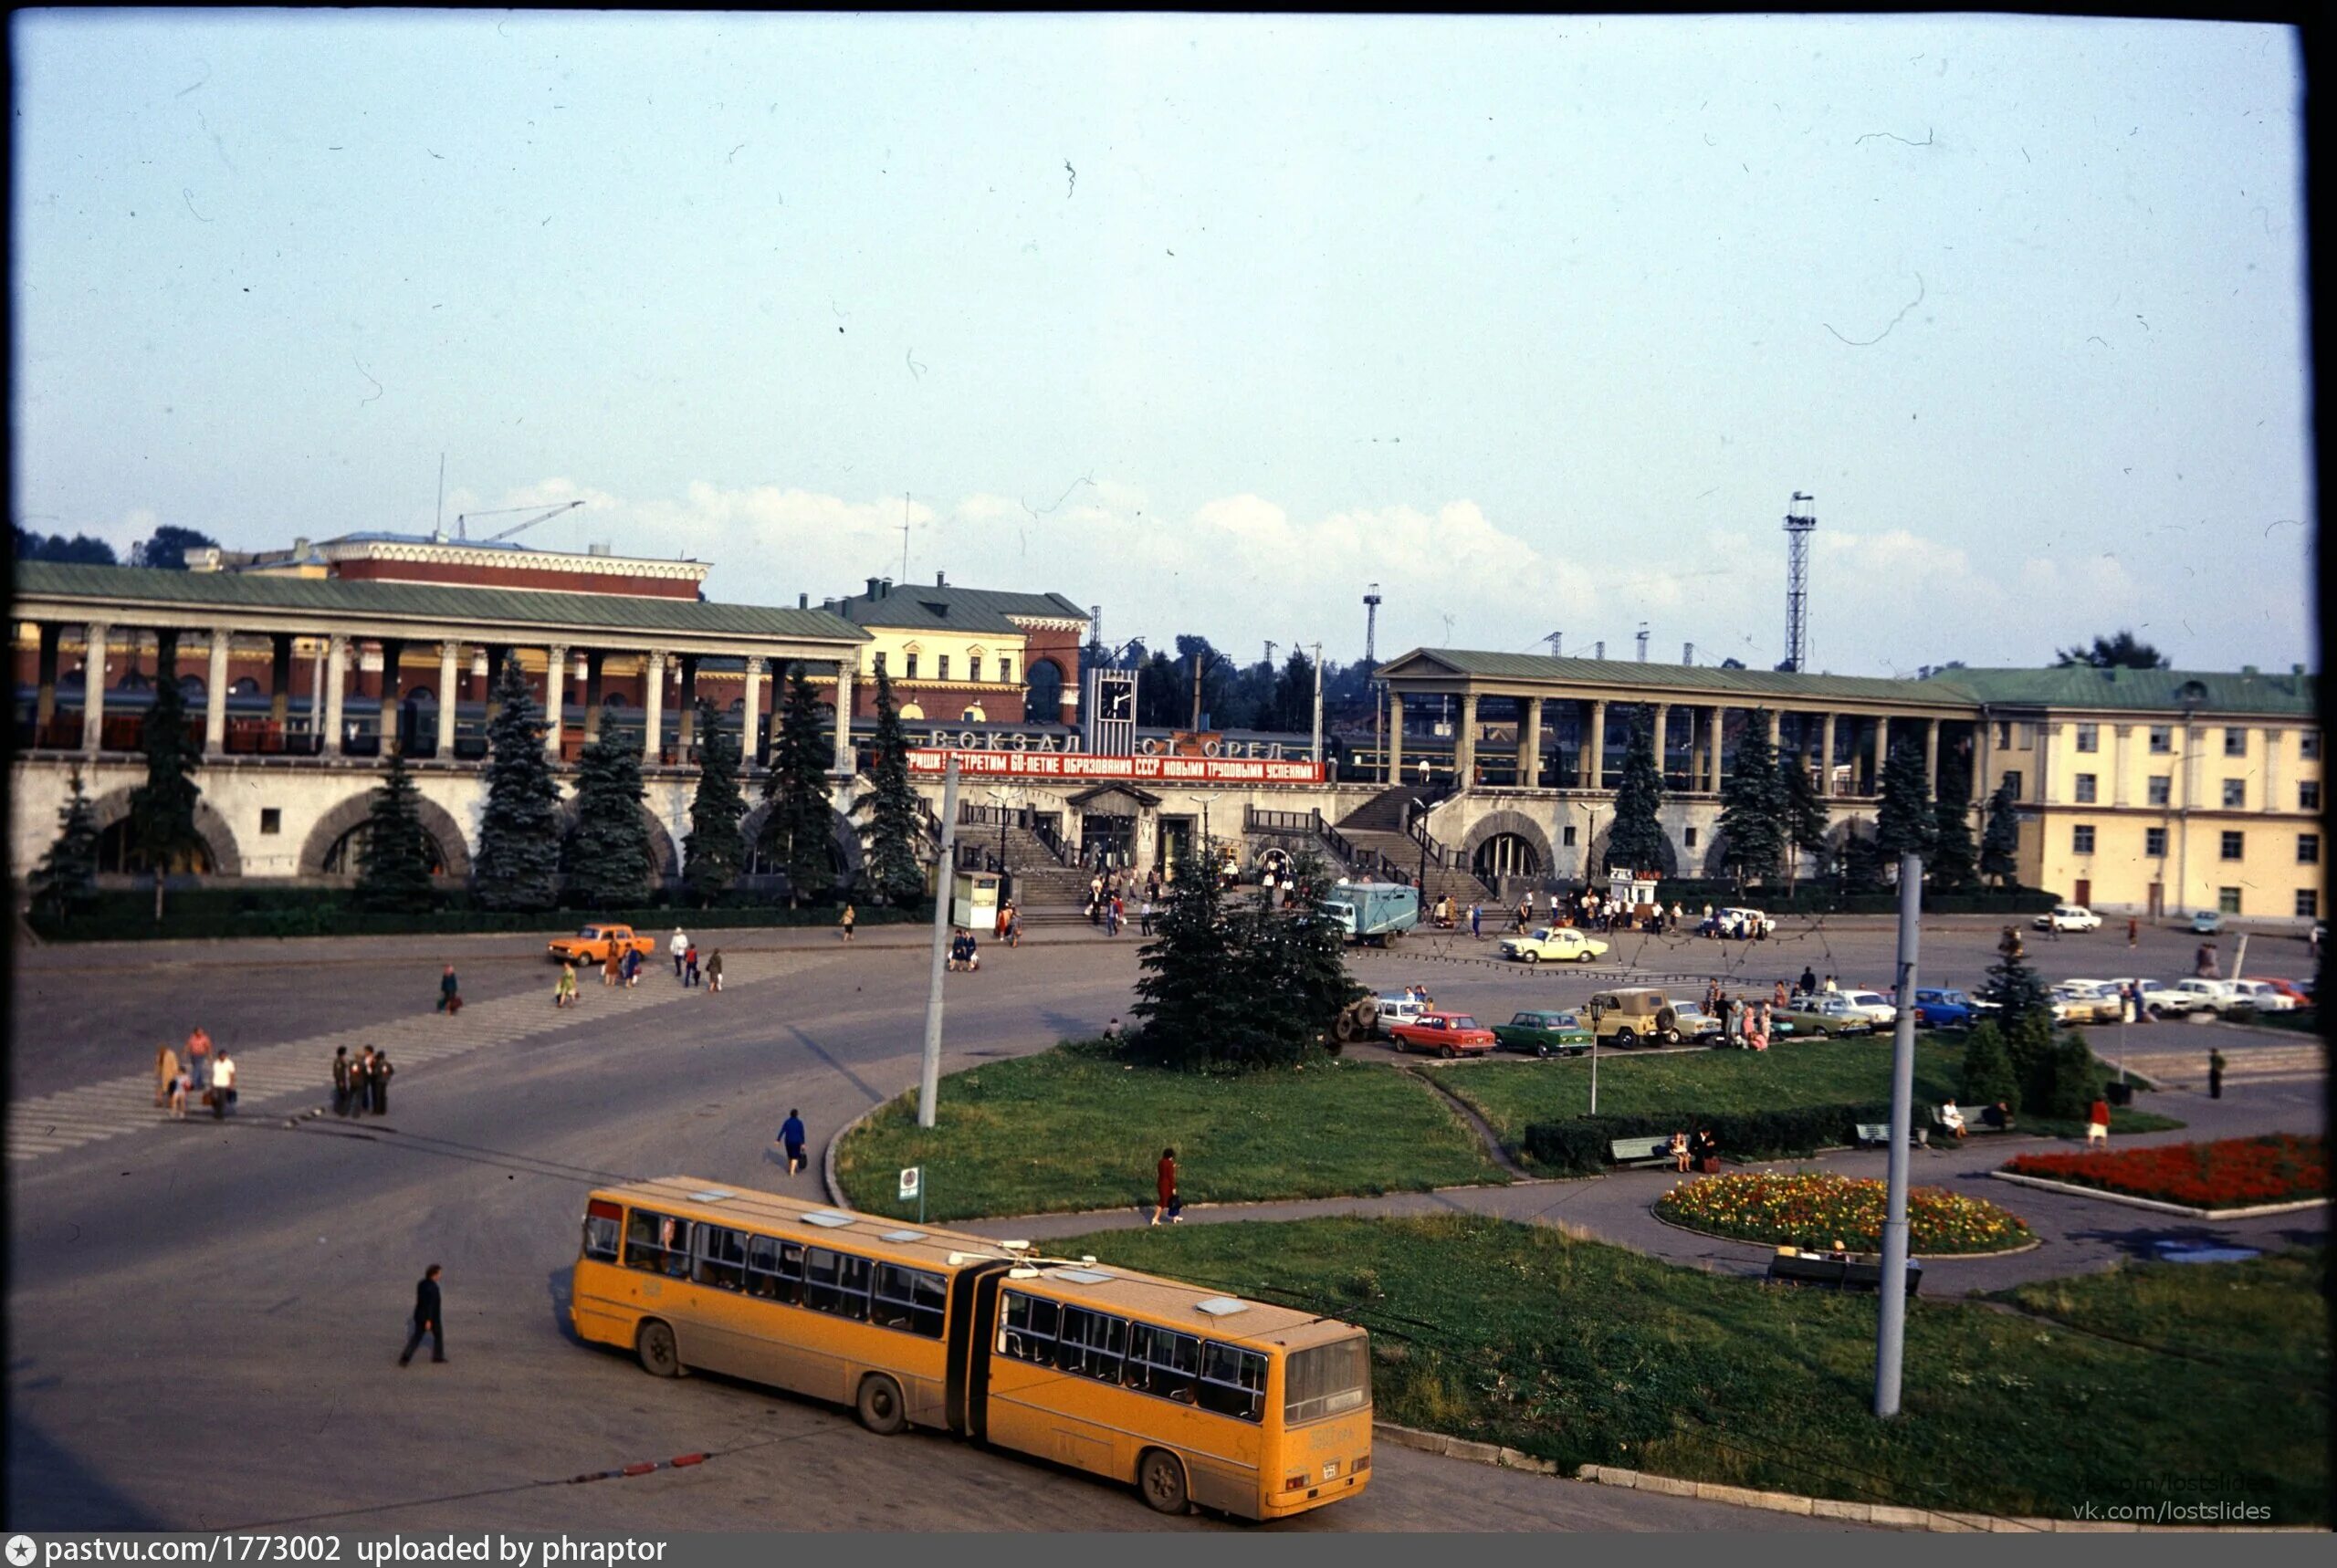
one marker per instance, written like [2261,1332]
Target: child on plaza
[564,993]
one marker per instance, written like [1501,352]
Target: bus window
[657,1242]
[775,1270]
[909,1298]
[1027,1330]
[1093,1344]
[721,1257]
[1233,1381]
[1164,1362]
[835,1282]
[602,1220]
[1326,1381]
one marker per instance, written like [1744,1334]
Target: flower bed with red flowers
[2233,1173]
[1818,1210]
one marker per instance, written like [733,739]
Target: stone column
[1882,749]
[1712,734]
[2271,770]
[1826,759]
[1464,743]
[2120,735]
[2045,734]
[215,694]
[1594,751]
[1777,731]
[653,707]
[845,763]
[1529,745]
[279,679]
[594,695]
[450,654]
[689,698]
[45,693]
[1930,757]
[95,637]
[555,701]
[751,735]
[393,683]
[336,677]
[1395,736]
[1663,720]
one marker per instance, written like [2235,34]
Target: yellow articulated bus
[1256,1410]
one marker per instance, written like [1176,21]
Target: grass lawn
[1066,1130]
[1584,1353]
[1509,1094]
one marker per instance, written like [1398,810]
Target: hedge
[1815,897]
[225,912]
[1580,1145]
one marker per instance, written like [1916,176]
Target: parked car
[1447,1034]
[2069,917]
[1394,1011]
[1634,1014]
[1824,1016]
[1872,1005]
[1554,945]
[592,945]
[1937,1006]
[1735,924]
[2088,1001]
[2297,991]
[2206,922]
[2212,996]
[1694,1023]
[2162,1001]
[1544,1034]
[2263,997]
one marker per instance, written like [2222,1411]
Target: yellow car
[1553,945]
[592,945]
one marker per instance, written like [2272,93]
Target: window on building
[271,819]
[973,666]
[2088,737]
[2309,902]
[2088,785]
[2227,900]
[2003,735]
[2234,794]
[2154,842]
[2309,746]
[2081,839]
[2012,782]
[2308,849]
[2161,740]
[2309,795]
[1005,671]
[2024,736]
[2160,788]
[909,666]
[1689,838]
[2235,846]
[880,661]
[1566,838]
[941,666]
[2235,743]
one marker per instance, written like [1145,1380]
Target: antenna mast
[1371,624]
[1800,522]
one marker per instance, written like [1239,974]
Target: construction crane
[462,520]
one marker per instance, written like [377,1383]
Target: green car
[1544,1034]
[1819,1022]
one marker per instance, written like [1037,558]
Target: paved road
[207,1315]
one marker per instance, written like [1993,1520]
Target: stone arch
[911,711]
[227,857]
[844,840]
[1043,683]
[1493,824]
[662,853]
[1597,851]
[454,848]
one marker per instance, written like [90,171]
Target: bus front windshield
[1327,1380]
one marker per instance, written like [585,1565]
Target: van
[1635,1013]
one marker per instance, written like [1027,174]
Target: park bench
[1878,1132]
[1859,1271]
[1973,1126]
[1639,1151]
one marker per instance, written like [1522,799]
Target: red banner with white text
[1083,765]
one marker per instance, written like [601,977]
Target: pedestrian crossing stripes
[88,1113]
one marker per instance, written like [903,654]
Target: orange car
[592,945]
[1447,1034]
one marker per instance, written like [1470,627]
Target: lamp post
[1208,842]
[1421,810]
[1597,1010]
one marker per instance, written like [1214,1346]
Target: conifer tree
[1636,843]
[892,822]
[2000,841]
[714,849]
[1752,806]
[1187,1010]
[1804,814]
[1953,864]
[1902,823]
[1315,975]
[394,857]
[797,828]
[1862,862]
[2020,996]
[66,880]
[607,862]
[1987,1075]
[517,864]
[162,810]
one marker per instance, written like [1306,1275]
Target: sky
[1211,321]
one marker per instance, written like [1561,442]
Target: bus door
[973,1324]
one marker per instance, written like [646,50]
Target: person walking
[714,971]
[564,993]
[341,1069]
[610,966]
[361,1082]
[1165,1189]
[689,967]
[166,1072]
[2204,961]
[198,1055]
[1112,917]
[850,916]
[2133,932]
[791,1138]
[631,966]
[1014,926]
[450,992]
[1144,917]
[181,1087]
[381,1081]
[223,1086]
[2097,1123]
[429,1317]
[679,946]
[1476,921]
[2214,1074]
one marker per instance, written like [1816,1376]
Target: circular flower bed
[1815,1209]
[2234,1173]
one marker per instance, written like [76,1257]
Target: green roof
[951,609]
[112,587]
[1780,685]
[2083,686]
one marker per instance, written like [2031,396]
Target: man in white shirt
[223,1085]
[677,947]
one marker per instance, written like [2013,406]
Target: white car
[2069,917]
[1872,1006]
[2213,996]
[2255,993]
[2162,1001]
[1742,924]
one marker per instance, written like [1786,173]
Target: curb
[828,1155]
[2074,1190]
[2031,1244]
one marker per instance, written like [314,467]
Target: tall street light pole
[945,881]
[1891,1338]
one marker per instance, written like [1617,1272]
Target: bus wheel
[880,1406]
[1161,1478]
[659,1355]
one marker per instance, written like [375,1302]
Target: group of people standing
[204,1071]
[361,1083]
[1742,1022]
[1010,924]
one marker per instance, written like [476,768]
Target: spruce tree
[1752,806]
[798,827]
[1636,843]
[1315,977]
[395,855]
[1953,864]
[893,823]
[1862,862]
[607,862]
[517,864]
[162,810]
[2000,841]
[714,849]
[2020,996]
[1902,823]
[1804,814]
[65,881]
[1987,1075]
[1188,1011]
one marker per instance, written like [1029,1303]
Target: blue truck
[1374,912]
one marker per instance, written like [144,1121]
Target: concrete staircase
[1049,892]
[1376,827]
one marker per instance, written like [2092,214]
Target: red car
[2287,989]
[1447,1034]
